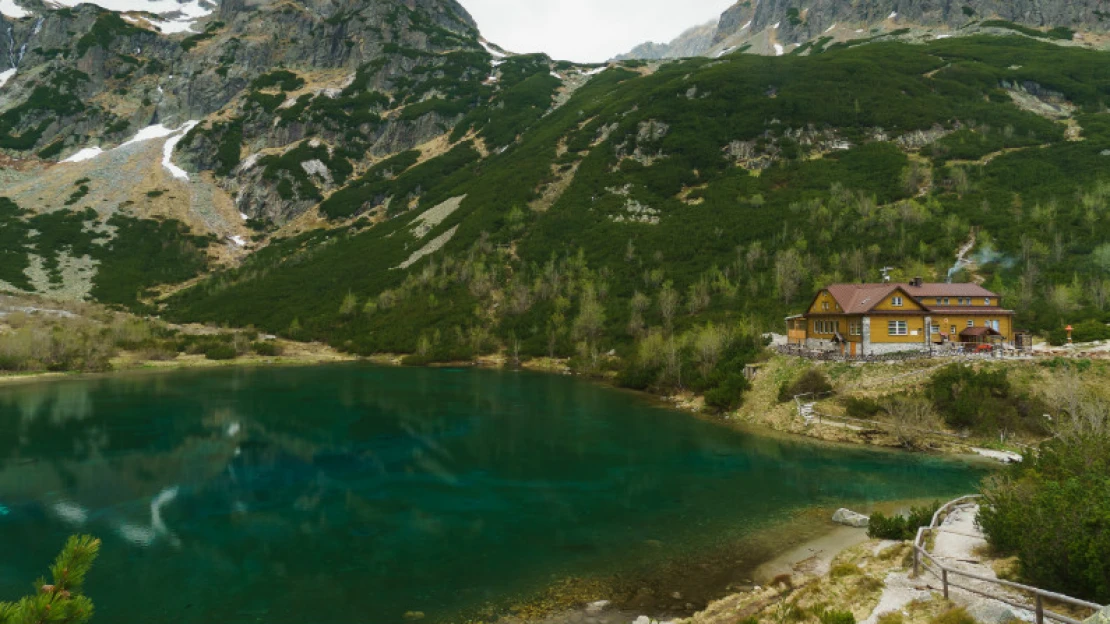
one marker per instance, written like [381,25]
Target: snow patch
[180,15]
[10,9]
[494,53]
[86,154]
[724,52]
[238,240]
[167,150]
[942,37]
[156,131]
[171,27]
[830,28]
[596,70]
[243,216]
[6,75]
[748,25]
[893,14]
[778,49]
[1005,457]
[776,26]
[556,76]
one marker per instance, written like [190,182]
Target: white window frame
[897,328]
[971,323]
[987,301]
[897,302]
[855,328]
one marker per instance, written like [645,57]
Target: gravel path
[956,543]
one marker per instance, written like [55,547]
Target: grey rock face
[795,25]
[694,42]
[108,77]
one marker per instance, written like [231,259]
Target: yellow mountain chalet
[869,319]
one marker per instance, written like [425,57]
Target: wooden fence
[923,561]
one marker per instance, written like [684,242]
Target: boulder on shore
[1102,617]
[850,518]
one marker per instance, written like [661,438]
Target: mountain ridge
[778,26]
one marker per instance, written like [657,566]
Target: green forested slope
[660,230]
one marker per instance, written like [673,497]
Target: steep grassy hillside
[662,198]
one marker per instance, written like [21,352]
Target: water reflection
[328,493]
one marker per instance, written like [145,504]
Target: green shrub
[901,528]
[883,527]
[812,382]
[220,352]
[983,400]
[1090,330]
[1052,512]
[267,348]
[862,408]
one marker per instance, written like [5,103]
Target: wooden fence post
[1040,610]
[944,579]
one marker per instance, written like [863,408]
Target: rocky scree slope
[274,104]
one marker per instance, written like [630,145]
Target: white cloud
[587,30]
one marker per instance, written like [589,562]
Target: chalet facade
[871,319]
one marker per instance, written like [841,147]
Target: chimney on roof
[917,282]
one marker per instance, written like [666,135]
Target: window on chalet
[855,328]
[896,302]
[987,301]
[971,323]
[898,328]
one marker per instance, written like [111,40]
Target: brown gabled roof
[860,298]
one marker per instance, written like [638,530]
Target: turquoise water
[353,493]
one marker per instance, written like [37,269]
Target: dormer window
[825,306]
[896,302]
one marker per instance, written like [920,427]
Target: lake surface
[354,493]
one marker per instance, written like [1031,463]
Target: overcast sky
[587,30]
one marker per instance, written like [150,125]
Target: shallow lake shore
[804,545]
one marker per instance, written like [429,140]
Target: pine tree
[62,600]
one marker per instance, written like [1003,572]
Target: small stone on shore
[597,607]
[850,518]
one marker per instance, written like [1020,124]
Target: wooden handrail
[1039,595]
